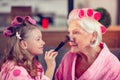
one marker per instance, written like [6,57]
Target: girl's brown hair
[16,53]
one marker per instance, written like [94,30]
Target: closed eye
[76,32]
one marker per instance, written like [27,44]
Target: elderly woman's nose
[72,38]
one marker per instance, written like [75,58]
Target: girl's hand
[50,58]
[51,63]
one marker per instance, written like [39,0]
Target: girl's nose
[43,42]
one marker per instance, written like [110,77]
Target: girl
[24,44]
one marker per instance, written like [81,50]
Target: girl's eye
[38,39]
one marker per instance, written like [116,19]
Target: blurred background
[55,11]
[51,16]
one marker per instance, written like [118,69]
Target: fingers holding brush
[50,62]
[50,58]
[51,54]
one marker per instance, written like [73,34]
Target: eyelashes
[74,32]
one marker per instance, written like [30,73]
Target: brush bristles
[62,43]
[67,38]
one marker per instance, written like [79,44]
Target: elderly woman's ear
[94,36]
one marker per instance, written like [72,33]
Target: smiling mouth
[74,45]
[41,48]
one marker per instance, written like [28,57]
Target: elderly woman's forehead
[73,25]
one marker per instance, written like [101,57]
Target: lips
[73,45]
[41,48]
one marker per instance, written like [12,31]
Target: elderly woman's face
[80,39]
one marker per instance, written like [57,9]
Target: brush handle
[59,46]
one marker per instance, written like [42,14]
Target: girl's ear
[23,44]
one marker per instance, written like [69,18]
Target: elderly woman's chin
[74,50]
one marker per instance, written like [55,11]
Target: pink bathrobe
[10,71]
[105,67]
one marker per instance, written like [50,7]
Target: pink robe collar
[105,67]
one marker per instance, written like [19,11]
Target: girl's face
[79,38]
[34,42]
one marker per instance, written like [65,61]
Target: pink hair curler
[103,29]
[89,12]
[97,16]
[17,20]
[29,19]
[81,13]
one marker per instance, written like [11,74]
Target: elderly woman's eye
[76,32]
[68,33]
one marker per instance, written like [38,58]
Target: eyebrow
[75,30]
[40,36]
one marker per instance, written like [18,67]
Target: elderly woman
[89,58]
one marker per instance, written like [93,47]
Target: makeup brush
[62,43]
